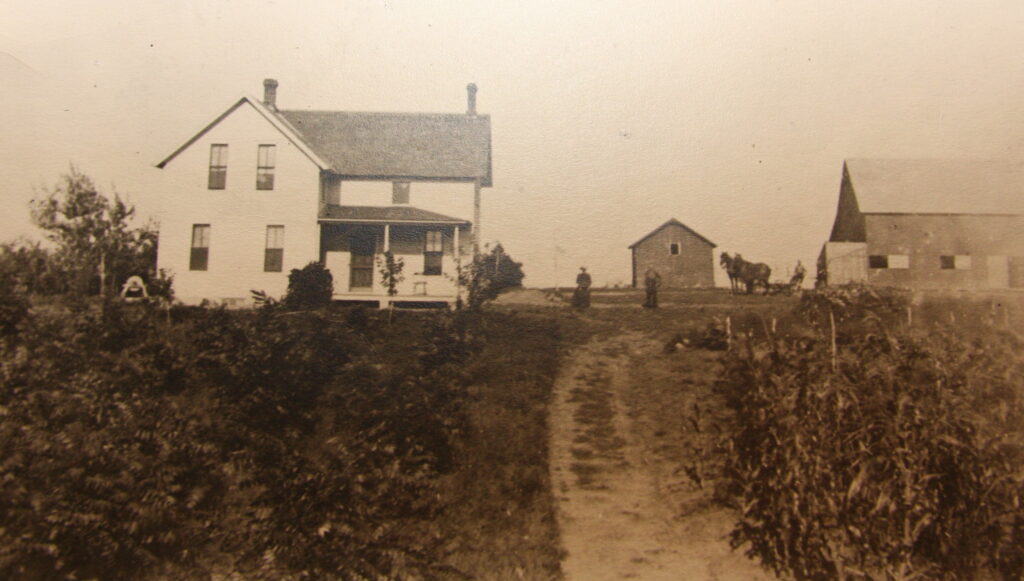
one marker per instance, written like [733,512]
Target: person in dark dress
[581,296]
[652,282]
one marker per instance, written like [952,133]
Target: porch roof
[385,215]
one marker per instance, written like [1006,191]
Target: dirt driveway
[624,417]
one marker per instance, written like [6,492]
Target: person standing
[581,296]
[652,282]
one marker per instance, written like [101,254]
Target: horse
[729,264]
[750,274]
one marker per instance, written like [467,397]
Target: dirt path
[619,497]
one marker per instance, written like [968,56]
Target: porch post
[387,237]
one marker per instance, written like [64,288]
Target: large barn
[928,224]
[682,257]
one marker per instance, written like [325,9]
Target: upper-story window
[432,252]
[400,192]
[218,166]
[265,163]
[199,258]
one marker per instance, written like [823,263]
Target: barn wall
[993,244]
[692,267]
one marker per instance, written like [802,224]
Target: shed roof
[937,186]
[396,145]
[385,214]
[672,222]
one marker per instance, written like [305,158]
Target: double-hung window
[273,256]
[433,251]
[265,163]
[199,259]
[218,166]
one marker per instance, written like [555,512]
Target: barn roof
[399,145]
[672,222]
[388,214]
[937,186]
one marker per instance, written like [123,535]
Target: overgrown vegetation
[271,444]
[865,450]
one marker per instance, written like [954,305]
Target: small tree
[96,246]
[489,274]
[310,287]
[390,269]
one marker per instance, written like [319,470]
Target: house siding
[692,267]
[239,214]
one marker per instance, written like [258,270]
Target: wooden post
[774,321]
[387,237]
[458,262]
[728,333]
[835,357]
[476,217]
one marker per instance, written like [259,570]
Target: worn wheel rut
[615,515]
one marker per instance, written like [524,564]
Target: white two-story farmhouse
[260,191]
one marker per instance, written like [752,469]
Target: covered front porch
[431,247]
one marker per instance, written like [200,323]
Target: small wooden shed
[682,257]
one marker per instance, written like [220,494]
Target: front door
[362,245]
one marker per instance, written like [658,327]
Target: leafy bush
[489,274]
[897,458]
[310,287]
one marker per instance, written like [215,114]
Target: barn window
[957,262]
[432,253]
[218,166]
[899,261]
[199,258]
[673,248]
[265,165]
[878,261]
[273,255]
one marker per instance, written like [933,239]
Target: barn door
[1016,272]
[998,271]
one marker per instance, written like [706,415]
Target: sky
[608,117]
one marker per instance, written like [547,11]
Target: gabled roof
[269,115]
[937,186]
[672,222]
[399,145]
[385,214]
[433,146]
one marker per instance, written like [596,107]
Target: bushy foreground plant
[310,287]
[270,444]
[896,458]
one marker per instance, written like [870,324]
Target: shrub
[310,287]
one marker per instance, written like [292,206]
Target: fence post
[728,333]
[910,316]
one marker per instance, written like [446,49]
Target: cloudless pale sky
[608,117]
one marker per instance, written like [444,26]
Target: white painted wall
[239,214]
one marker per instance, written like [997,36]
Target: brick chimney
[471,99]
[270,93]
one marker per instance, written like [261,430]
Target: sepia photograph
[547,290]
